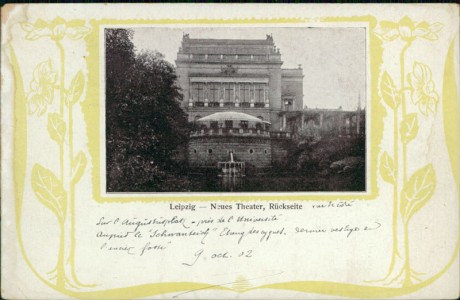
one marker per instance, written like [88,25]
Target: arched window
[260,117]
[197,117]
[251,151]
[209,151]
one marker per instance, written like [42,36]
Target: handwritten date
[217,255]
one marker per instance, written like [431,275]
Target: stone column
[267,103]
[264,93]
[253,98]
[221,91]
[205,93]
[221,94]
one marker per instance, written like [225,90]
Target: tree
[144,120]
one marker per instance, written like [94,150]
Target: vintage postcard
[189,151]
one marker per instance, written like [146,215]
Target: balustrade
[229,104]
[234,131]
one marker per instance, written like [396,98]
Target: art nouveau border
[61,201]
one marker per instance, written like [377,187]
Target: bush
[319,155]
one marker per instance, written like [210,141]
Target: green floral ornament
[56,29]
[407,30]
[423,92]
[42,88]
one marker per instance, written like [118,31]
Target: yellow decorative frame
[451,112]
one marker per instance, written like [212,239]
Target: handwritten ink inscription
[234,235]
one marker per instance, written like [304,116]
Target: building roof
[228,46]
[267,41]
[230,41]
[231,115]
[298,72]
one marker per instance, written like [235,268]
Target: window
[244,124]
[260,92]
[251,151]
[198,91]
[214,125]
[197,117]
[210,151]
[229,92]
[228,124]
[266,151]
[260,117]
[194,150]
[245,92]
[288,103]
[213,92]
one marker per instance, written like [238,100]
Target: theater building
[237,75]
[243,102]
[235,91]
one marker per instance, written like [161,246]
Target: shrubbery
[318,155]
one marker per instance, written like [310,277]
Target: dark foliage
[338,160]
[144,120]
[319,155]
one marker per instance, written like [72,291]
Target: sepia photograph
[235,109]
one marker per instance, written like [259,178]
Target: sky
[333,59]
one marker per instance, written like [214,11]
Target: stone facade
[217,135]
[234,76]
[291,89]
[237,75]
[209,150]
